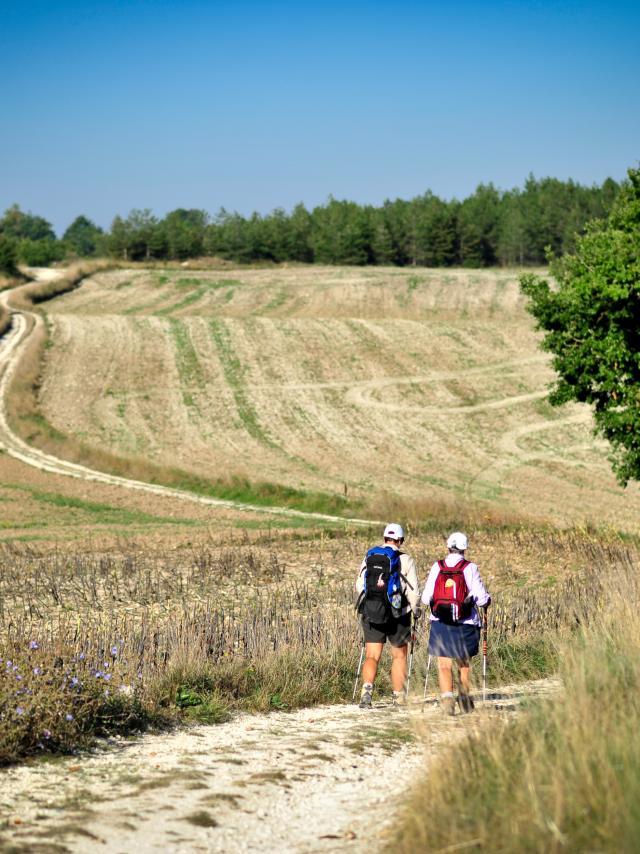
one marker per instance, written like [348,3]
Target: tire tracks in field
[12,347]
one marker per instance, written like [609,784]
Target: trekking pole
[355,684]
[413,629]
[484,655]
[426,682]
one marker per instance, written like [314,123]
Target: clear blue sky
[105,106]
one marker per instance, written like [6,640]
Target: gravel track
[304,781]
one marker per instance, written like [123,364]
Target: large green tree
[83,237]
[591,321]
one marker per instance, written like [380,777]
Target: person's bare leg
[464,666]
[399,667]
[445,675]
[372,653]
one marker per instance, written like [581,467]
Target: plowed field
[427,385]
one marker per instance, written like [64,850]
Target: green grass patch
[234,374]
[187,362]
[265,494]
[101,514]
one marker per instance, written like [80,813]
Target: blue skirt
[461,641]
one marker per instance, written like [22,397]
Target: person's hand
[417,614]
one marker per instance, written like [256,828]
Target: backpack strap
[459,567]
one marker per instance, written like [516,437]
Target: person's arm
[412,583]
[476,587]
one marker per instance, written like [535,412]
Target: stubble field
[400,389]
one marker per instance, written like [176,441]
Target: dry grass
[300,374]
[118,641]
[565,776]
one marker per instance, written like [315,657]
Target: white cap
[458,540]
[393,532]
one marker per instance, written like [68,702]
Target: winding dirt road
[12,346]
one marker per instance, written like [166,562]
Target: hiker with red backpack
[454,593]
[388,596]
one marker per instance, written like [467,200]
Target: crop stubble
[330,378]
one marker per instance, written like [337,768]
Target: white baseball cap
[393,532]
[458,540]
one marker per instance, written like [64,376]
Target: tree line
[490,227]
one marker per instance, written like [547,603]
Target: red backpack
[450,593]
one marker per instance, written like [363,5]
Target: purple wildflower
[114,651]
[37,671]
[33,644]
[46,734]
[99,674]
[107,676]
[74,681]
[68,717]
[19,710]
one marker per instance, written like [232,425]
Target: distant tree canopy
[488,227]
[592,325]
[33,237]
[84,237]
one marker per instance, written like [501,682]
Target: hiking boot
[365,697]
[465,701]
[448,705]
[399,699]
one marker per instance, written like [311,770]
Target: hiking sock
[448,702]
[365,695]
[399,698]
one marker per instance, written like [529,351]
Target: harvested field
[430,385]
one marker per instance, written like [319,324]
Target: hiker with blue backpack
[388,597]
[454,593]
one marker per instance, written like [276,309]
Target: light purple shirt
[474,584]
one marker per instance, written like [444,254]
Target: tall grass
[93,643]
[564,776]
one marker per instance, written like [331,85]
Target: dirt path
[12,345]
[304,781]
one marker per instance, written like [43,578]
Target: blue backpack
[381,596]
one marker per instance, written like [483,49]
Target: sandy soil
[304,781]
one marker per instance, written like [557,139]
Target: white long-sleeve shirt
[474,584]
[409,581]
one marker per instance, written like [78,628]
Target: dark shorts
[461,641]
[397,630]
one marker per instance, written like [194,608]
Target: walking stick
[484,655]
[426,681]
[355,684]
[413,629]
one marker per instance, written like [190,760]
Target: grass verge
[565,775]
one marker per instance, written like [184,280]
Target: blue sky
[149,103]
